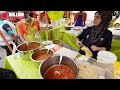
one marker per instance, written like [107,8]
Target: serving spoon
[47,53]
[27,45]
[57,72]
[48,50]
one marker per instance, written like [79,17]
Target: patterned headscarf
[97,31]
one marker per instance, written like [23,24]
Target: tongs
[91,60]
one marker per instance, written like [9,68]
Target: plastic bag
[7,74]
[99,71]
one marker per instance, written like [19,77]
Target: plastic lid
[107,56]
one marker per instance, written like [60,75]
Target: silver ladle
[57,72]
[27,45]
[48,50]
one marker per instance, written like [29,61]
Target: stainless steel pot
[55,60]
[25,51]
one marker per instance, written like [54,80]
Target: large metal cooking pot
[55,60]
[25,51]
[42,53]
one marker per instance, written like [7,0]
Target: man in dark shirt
[97,37]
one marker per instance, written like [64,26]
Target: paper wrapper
[67,52]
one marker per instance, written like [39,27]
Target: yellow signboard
[117,70]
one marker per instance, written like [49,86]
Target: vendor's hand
[37,35]
[79,43]
[70,24]
[20,42]
[94,48]
[24,41]
[39,32]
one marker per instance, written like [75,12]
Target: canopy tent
[55,15]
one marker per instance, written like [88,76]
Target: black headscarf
[97,31]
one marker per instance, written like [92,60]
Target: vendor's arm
[49,21]
[9,30]
[75,17]
[14,37]
[78,42]
[84,18]
[95,48]
[20,31]
[23,39]
[109,41]
[80,37]
[107,44]
[38,25]
[41,15]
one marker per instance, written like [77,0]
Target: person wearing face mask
[28,28]
[97,37]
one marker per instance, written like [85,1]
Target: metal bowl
[24,50]
[58,42]
[55,60]
[42,53]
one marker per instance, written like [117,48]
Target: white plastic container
[106,57]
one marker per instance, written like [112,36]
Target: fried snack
[88,53]
[87,71]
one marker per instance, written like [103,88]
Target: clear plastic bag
[93,69]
